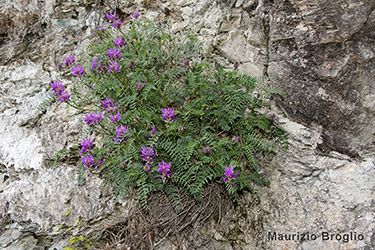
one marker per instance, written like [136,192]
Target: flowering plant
[229,176]
[191,123]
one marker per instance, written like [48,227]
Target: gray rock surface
[323,49]
[318,52]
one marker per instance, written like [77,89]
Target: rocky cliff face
[324,50]
[318,52]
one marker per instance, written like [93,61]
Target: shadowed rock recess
[320,53]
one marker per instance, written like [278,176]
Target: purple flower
[168,114]
[147,167]
[164,168]
[135,14]
[123,164]
[164,22]
[111,16]
[153,129]
[109,105]
[139,87]
[115,118]
[116,23]
[58,87]
[78,71]
[64,96]
[229,176]
[86,145]
[119,42]
[206,149]
[273,117]
[59,65]
[94,64]
[87,161]
[122,134]
[113,67]
[147,154]
[235,138]
[236,64]
[69,60]
[186,62]
[114,54]
[93,118]
[132,63]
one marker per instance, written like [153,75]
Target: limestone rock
[319,53]
[317,48]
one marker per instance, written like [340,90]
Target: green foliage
[212,108]
[42,107]
[59,154]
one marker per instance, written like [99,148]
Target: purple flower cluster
[229,176]
[119,42]
[93,118]
[58,87]
[168,114]
[135,14]
[139,86]
[69,60]
[115,118]
[147,167]
[236,64]
[116,23]
[147,154]
[63,96]
[122,134]
[113,67]
[111,17]
[164,169]
[87,160]
[109,105]
[206,149]
[273,117]
[78,71]
[114,54]
[186,63]
[94,65]
[235,138]
[86,146]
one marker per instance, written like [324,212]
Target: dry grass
[145,229]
